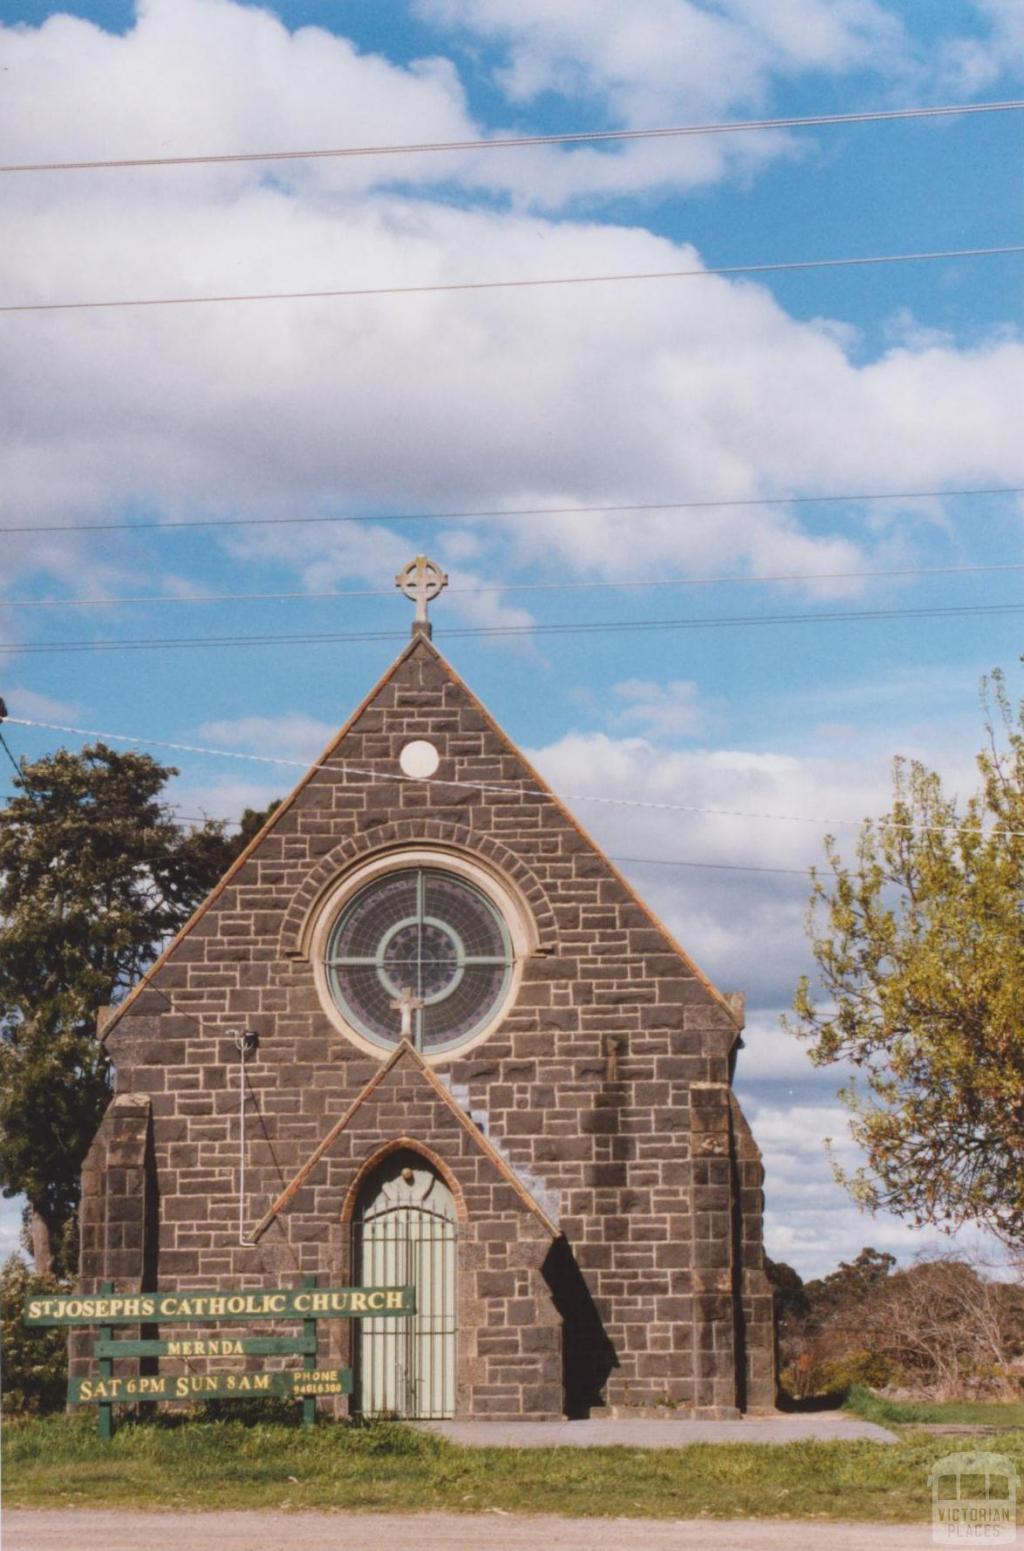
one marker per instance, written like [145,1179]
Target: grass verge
[875,1408]
[59,1462]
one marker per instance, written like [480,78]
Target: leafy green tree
[95,875]
[852,1283]
[820,1325]
[920,951]
[35,1361]
[789,1299]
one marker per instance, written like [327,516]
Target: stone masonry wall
[754,1288]
[118,1213]
[509,1356]
[590,1087]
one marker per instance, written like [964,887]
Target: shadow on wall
[588,1356]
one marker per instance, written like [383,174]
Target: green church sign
[207,1346]
[309,1303]
[203,1307]
[291,1384]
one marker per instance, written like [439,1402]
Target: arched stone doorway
[404,1232]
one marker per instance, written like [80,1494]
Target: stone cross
[407,1004]
[421,580]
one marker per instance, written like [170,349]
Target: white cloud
[772,1055]
[757,810]
[194,77]
[198,76]
[647,58]
[326,558]
[70,559]
[971,65]
[603,394]
[810,1221]
[227,800]
[744,929]
[658,710]
[654,62]
[27,703]
[606,394]
[293,736]
[610,394]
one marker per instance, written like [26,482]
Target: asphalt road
[105,1530]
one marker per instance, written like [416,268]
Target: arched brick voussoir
[390,837]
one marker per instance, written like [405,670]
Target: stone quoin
[481,1066]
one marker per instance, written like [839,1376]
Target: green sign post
[309,1363]
[105,1415]
[107,1309]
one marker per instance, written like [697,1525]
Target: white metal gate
[405,1232]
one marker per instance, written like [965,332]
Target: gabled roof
[404,1053]
[419,643]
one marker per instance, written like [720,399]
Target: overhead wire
[702,504]
[509,143]
[7,750]
[3,741]
[628,861]
[510,285]
[629,583]
[582,627]
[398,777]
[518,142]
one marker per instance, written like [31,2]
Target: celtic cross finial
[422,581]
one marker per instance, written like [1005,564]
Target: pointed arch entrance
[405,1232]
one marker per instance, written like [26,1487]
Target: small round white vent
[419,759]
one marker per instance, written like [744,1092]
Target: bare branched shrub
[947,1329]
[943,1328]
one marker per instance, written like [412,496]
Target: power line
[343,767]
[520,511]
[505,587]
[3,742]
[6,748]
[627,861]
[624,861]
[517,142]
[510,285]
[609,627]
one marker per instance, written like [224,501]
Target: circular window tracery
[422,948]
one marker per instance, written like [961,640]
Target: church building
[424,1032]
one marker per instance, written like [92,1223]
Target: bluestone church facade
[424,1031]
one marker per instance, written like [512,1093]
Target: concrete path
[632,1433]
[106,1530]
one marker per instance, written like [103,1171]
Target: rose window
[422,949]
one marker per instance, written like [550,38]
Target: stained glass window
[429,936]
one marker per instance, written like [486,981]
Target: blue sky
[846,381]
